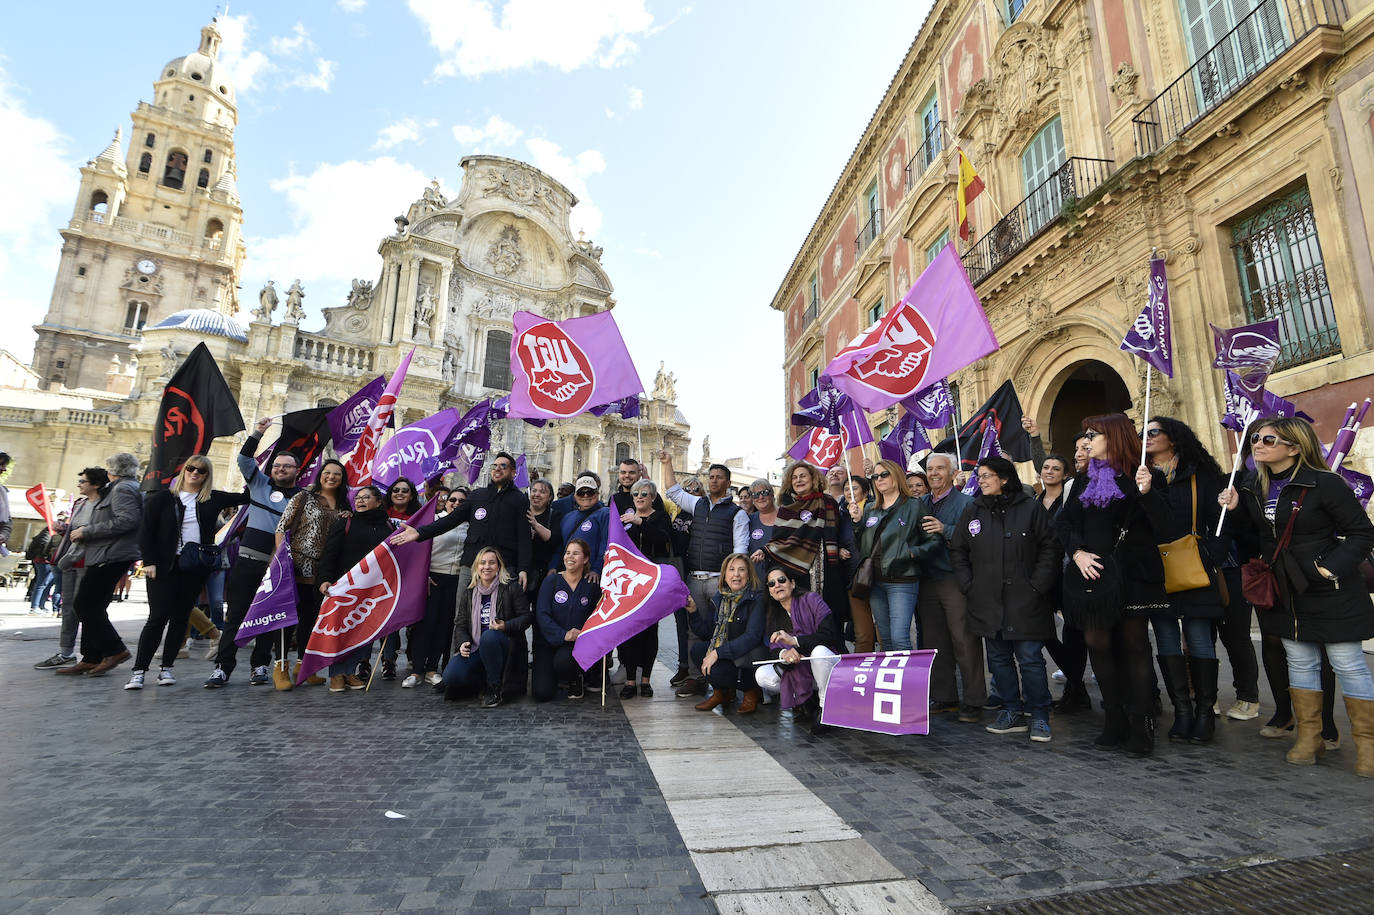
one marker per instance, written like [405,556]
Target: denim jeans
[1200,634]
[1347,660]
[463,676]
[349,663]
[894,610]
[214,597]
[1004,658]
[42,581]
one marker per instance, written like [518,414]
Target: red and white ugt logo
[824,449]
[899,368]
[359,604]
[626,583]
[561,379]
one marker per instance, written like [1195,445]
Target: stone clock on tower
[155,230]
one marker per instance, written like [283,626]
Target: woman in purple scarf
[802,628]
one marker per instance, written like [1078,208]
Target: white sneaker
[1242,710]
[1058,676]
[411,681]
[165,678]
[135,681]
[433,678]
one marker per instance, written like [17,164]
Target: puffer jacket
[1006,560]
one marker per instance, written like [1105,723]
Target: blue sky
[702,141]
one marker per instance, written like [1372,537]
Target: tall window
[145,163]
[875,311]
[174,175]
[496,368]
[1236,54]
[150,141]
[937,246]
[813,301]
[203,179]
[622,452]
[815,376]
[1283,277]
[1042,158]
[135,317]
[873,216]
[100,206]
[209,157]
[1014,8]
[931,131]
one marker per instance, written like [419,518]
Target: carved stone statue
[170,360]
[503,255]
[425,305]
[433,199]
[267,302]
[665,386]
[295,298]
[361,295]
[706,450]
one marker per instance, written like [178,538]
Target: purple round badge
[974,527]
[871,522]
[586,526]
[480,514]
[756,535]
[584,601]
[807,516]
[560,597]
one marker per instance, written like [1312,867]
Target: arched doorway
[1088,388]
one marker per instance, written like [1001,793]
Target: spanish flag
[970,186]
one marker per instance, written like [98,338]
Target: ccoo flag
[635,594]
[197,407]
[933,407]
[359,463]
[886,692]
[905,439]
[938,328]
[274,605]
[560,369]
[1151,337]
[1250,351]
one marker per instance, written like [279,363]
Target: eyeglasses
[1269,440]
[283,466]
[453,499]
[642,492]
[1151,433]
[987,476]
[501,465]
[200,470]
[1090,435]
[882,474]
[774,582]
[83,480]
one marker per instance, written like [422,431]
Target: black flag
[197,407]
[304,433]
[1003,410]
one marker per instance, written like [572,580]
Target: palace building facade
[151,265]
[1233,137]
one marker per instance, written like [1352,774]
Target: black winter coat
[1177,496]
[162,517]
[1087,527]
[349,540]
[1332,531]
[497,517]
[1006,560]
[510,604]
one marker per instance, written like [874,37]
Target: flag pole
[1235,466]
[1145,418]
[373,675]
[955,141]
[603,682]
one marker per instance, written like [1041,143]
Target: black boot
[1175,670]
[1075,699]
[1204,671]
[1113,729]
[1141,739]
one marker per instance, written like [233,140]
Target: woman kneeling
[731,633]
[489,634]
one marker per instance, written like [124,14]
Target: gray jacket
[112,534]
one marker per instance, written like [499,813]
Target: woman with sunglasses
[1294,496]
[890,530]
[650,530]
[1194,480]
[402,500]
[1116,578]
[307,518]
[177,543]
[429,639]
[807,641]
[761,521]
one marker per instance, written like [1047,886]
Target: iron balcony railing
[869,233]
[1256,41]
[813,308]
[1076,178]
[925,155]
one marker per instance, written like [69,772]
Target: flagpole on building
[1149,377]
[955,142]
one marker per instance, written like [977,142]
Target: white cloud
[573,172]
[636,99]
[473,39]
[321,79]
[352,6]
[299,39]
[34,208]
[339,212]
[497,131]
[249,67]
[244,65]
[404,131]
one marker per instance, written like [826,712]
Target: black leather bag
[866,573]
[198,558]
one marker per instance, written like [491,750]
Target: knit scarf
[1102,489]
[725,615]
[802,528]
[479,592]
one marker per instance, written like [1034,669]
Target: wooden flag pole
[373,675]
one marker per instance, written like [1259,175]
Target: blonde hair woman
[488,631]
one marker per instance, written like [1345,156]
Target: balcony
[1076,178]
[326,355]
[1256,42]
[925,155]
[813,308]
[869,233]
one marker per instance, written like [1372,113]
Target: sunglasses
[1090,435]
[201,470]
[882,474]
[774,582]
[642,492]
[1152,433]
[1269,440]
[586,492]
[401,491]
[761,493]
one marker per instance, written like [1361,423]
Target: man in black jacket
[497,517]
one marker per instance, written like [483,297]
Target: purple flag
[501,406]
[990,448]
[933,407]
[386,590]
[635,594]
[1151,336]
[821,406]
[1250,351]
[348,420]
[274,606]
[415,451]
[905,439]
[466,457]
[1361,485]
[1240,412]
[560,369]
[627,407]
[522,473]
[887,692]
[938,328]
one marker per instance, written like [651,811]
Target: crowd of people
[1103,550]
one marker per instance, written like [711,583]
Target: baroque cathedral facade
[152,263]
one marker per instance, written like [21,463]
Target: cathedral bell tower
[153,232]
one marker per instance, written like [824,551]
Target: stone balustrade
[327,355]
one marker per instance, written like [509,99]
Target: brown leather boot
[280,678]
[752,698]
[1361,713]
[79,667]
[1307,711]
[718,697]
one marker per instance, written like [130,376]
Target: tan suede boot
[719,697]
[752,698]
[1361,713]
[280,678]
[1307,711]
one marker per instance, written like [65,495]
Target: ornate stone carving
[586,246]
[355,323]
[295,303]
[520,185]
[267,302]
[495,307]
[425,306]
[503,254]
[1124,85]
[1040,322]
[432,200]
[360,296]
[137,282]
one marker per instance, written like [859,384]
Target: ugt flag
[932,407]
[197,408]
[1361,485]
[1250,351]
[1240,412]
[37,495]
[887,692]
[905,439]
[415,451]
[821,406]
[559,369]
[1150,337]
[359,463]
[938,328]
[274,606]
[635,594]
[348,420]
[822,448]
[386,590]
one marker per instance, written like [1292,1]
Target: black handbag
[866,573]
[198,557]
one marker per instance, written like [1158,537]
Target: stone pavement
[183,799]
